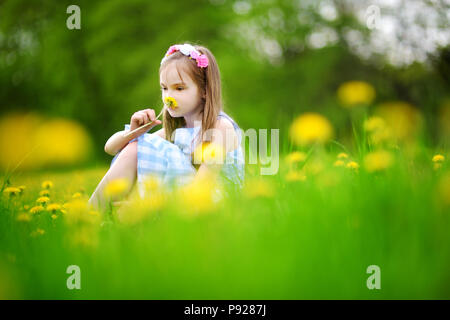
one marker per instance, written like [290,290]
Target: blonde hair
[209,85]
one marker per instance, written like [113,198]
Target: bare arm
[118,140]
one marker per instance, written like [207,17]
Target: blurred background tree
[278,58]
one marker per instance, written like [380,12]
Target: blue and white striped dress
[171,162]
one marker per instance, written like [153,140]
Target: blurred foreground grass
[284,237]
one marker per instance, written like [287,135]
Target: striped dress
[171,162]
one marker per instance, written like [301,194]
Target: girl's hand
[143,117]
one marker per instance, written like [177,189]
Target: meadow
[308,232]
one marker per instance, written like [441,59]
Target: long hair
[209,85]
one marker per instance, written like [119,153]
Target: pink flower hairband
[190,51]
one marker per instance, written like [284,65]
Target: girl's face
[185,93]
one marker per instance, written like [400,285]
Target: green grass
[312,239]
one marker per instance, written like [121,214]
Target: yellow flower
[355,92]
[255,188]
[47,184]
[43,200]
[117,187]
[378,160]
[153,183]
[54,216]
[79,212]
[294,175]
[402,119]
[36,209]
[295,156]
[310,128]
[11,191]
[24,217]
[342,155]
[438,158]
[66,142]
[138,209]
[76,195]
[352,165]
[53,207]
[200,195]
[209,153]
[339,163]
[44,193]
[171,102]
[374,124]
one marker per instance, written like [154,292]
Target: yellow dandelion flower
[342,155]
[295,156]
[36,209]
[43,200]
[339,163]
[374,124]
[208,153]
[66,142]
[78,212]
[402,119]
[76,195]
[171,102]
[255,188]
[200,195]
[294,175]
[153,183]
[44,193]
[54,216]
[378,160]
[438,158]
[138,209]
[24,217]
[352,165]
[47,184]
[53,207]
[12,191]
[310,128]
[117,187]
[354,93]
[379,136]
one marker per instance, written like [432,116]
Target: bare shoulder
[160,133]
[227,136]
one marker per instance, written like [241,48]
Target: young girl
[189,76]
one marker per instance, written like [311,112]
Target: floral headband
[190,51]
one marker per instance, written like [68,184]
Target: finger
[141,119]
[151,114]
[145,116]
